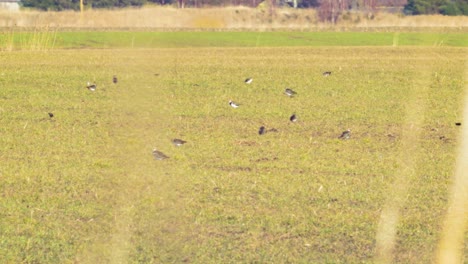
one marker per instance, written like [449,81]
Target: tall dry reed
[228,18]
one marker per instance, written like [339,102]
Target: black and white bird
[232,104]
[293,118]
[114,79]
[289,92]
[262,130]
[178,142]
[158,155]
[51,115]
[327,73]
[91,86]
[248,80]
[345,135]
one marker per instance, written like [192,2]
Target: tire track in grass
[138,116]
[116,246]
[406,172]
[450,249]
[140,108]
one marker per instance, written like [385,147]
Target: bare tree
[370,7]
[272,4]
[330,10]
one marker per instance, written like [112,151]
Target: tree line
[328,10]
[445,7]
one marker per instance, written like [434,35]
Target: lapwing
[262,130]
[289,92]
[327,73]
[345,135]
[248,80]
[51,115]
[234,105]
[114,79]
[178,142]
[91,86]
[158,155]
[293,118]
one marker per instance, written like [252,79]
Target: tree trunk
[181,3]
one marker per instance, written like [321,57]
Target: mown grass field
[83,187]
[49,38]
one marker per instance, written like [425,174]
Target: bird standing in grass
[91,86]
[51,115]
[289,92]
[158,155]
[114,79]
[232,104]
[327,73]
[248,80]
[345,135]
[293,118]
[261,131]
[178,142]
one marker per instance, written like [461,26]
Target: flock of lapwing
[158,155]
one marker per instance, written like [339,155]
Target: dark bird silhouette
[158,155]
[51,115]
[248,80]
[178,142]
[293,118]
[262,130]
[458,124]
[289,92]
[91,86]
[114,79]
[345,135]
[327,73]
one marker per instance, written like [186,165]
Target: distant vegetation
[445,7]
[75,4]
[327,10]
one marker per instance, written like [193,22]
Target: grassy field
[83,187]
[47,38]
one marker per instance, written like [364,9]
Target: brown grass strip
[221,18]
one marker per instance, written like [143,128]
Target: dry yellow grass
[217,18]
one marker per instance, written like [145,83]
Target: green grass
[84,187]
[48,38]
